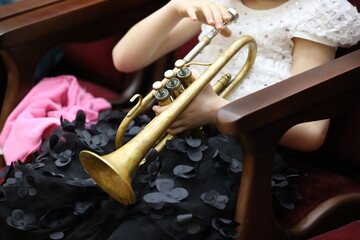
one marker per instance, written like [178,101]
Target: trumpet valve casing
[185,76]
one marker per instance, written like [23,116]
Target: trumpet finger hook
[137,106]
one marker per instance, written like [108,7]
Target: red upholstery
[92,64]
[348,232]
[92,61]
[1,171]
[316,186]
[1,179]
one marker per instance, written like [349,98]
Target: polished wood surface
[259,121]
[19,7]
[111,15]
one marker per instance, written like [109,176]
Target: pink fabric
[39,112]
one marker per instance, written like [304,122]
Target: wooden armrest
[259,121]
[87,17]
[296,96]
[19,7]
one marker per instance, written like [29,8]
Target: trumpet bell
[106,173]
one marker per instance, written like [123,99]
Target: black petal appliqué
[226,227]
[167,192]
[188,222]
[193,147]
[214,199]
[21,220]
[184,171]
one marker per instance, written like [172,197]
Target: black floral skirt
[187,191]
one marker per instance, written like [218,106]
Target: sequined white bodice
[330,22]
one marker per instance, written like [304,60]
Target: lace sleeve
[330,22]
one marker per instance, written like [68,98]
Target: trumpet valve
[180,63]
[162,95]
[169,74]
[185,76]
[175,87]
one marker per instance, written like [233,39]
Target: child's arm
[164,31]
[311,135]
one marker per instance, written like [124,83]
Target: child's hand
[201,111]
[203,11]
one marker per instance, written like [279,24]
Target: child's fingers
[177,127]
[218,14]
[226,32]
[218,17]
[192,13]
[158,109]
[208,14]
[225,13]
[175,131]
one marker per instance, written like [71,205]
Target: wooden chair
[29,29]
[260,119]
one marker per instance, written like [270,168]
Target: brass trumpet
[113,172]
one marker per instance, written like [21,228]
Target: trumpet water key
[114,172]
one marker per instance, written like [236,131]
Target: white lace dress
[330,22]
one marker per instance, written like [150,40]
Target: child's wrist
[173,8]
